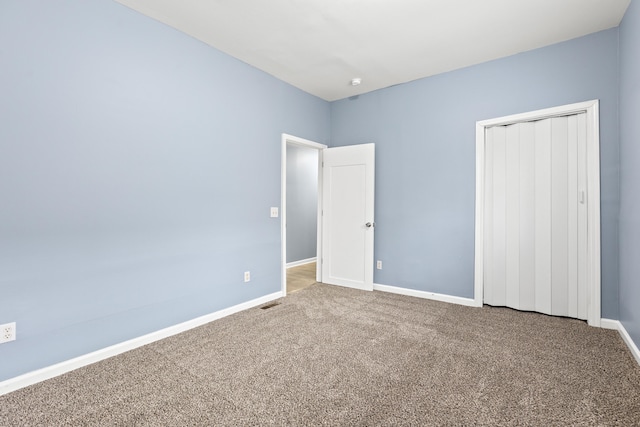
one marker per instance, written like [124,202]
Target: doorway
[345,214]
[527,256]
[294,219]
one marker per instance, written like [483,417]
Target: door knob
[370,224]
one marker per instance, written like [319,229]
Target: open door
[347,216]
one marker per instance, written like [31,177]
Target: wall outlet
[247,276]
[379,265]
[274,212]
[7,332]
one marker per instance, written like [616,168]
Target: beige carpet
[333,356]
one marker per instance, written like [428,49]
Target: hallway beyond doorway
[301,277]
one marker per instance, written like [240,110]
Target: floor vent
[273,304]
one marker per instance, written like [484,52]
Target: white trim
[591,108]
[610,324]
[426,295]
[319,216]
[593,214]
[52,371]
[301,262]
[302,142]
[294,140]
[478,288]
[617,325]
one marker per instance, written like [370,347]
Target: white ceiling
[320,45]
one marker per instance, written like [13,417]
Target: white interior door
[535,220]
[347,216]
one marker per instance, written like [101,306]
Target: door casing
[591,108]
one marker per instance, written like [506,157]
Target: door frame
[301,142]
[591,108]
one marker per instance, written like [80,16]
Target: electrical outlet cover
[7,332]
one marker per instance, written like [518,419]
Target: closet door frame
[591,108]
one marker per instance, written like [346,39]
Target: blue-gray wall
[424,133]
[137,168]
[302,203]
[630,172]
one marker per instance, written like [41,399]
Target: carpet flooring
[333,356]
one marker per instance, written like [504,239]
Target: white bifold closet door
[535,214]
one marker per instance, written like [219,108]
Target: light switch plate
[274,212]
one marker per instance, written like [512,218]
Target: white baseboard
[610,324]
[616,324]
[43,374]
[427,295]
[301,262]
